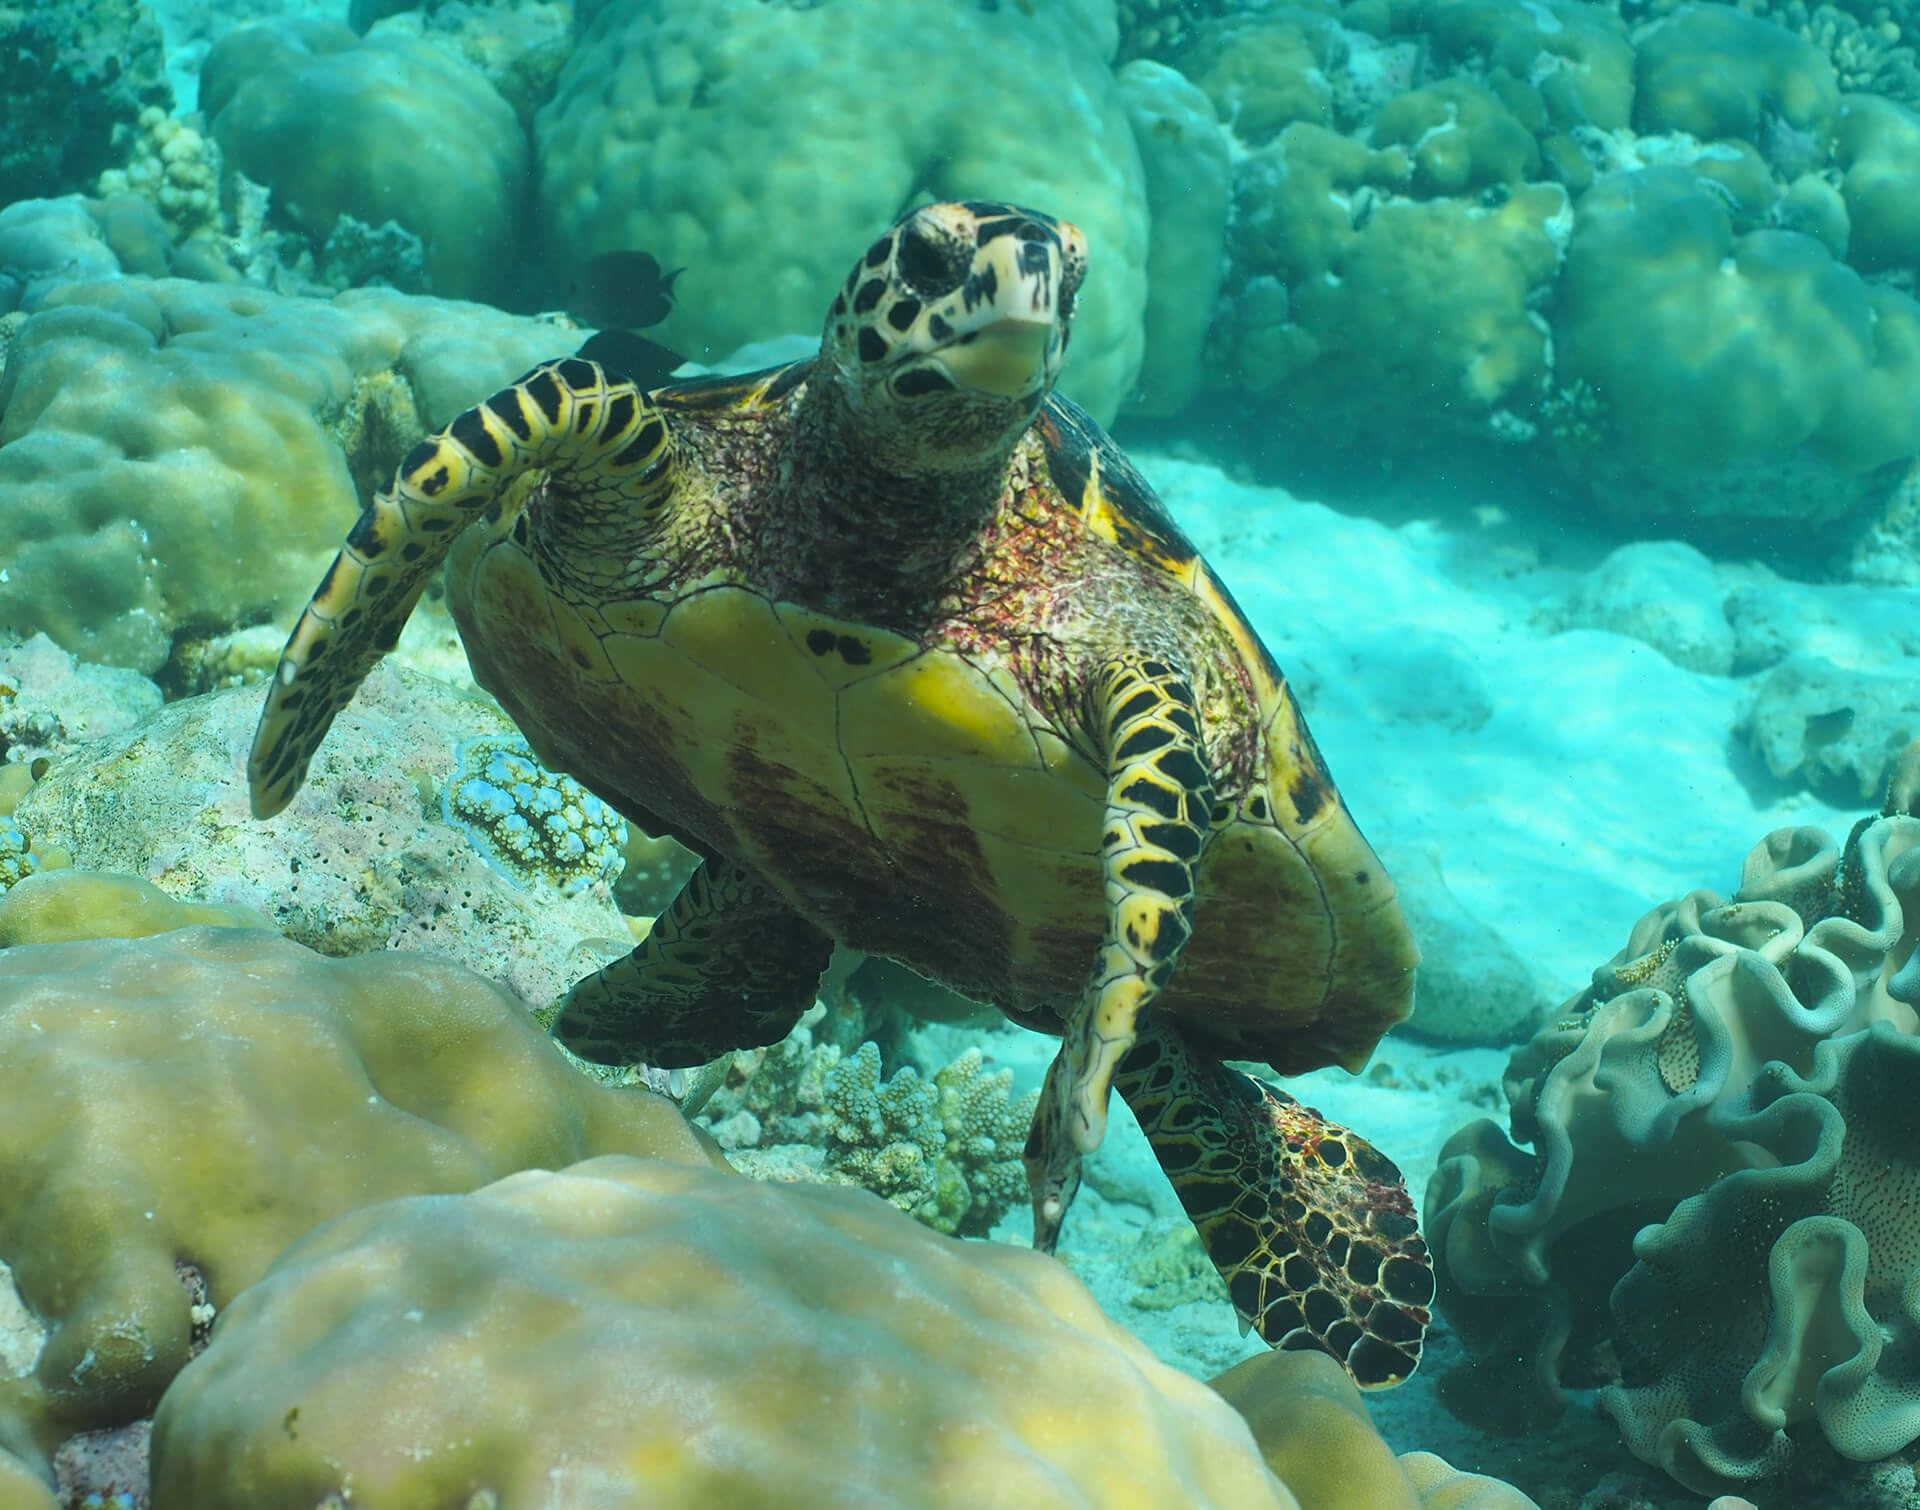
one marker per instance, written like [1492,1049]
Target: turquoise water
[1539,383]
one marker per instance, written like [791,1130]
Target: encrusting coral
[532,825]
[1722,1185]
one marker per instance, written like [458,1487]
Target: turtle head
[950,330]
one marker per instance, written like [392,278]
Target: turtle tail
[564,417]
[1310,1225]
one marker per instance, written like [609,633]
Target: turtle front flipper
[729,965]
[1309,1224]
[566,422]
[1159,804]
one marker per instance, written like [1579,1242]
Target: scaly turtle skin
[907,651]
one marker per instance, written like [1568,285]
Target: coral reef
[363,861]
[184,457]
[945,1149]
[668,1334]
[532,825]
[75,74]
[386,129]
[174,167]
[211,1094]
[675,129]
[1721,1179]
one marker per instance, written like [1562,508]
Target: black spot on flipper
[1182,766]
[621,409]
[1373,1362]
[1395,1325]
[1323,1308]
[420,456]
[505,406]
[522,533]
[1149,794]
[542,388]
[1363,1264]
[413,550]
[470,430]
[1144,742]
[1141,701]
[1408,1282]
[872,346]
[577,374]
[1257,810]
[1168,877]
[821,641]
[854,652]
[1308,794]
[868,295]
[879,251]
[939,329]
[903,313]
[1177,839]
[643,445]
[364,537]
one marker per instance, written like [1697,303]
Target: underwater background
[1541,376]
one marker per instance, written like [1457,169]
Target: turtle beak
[1007,358]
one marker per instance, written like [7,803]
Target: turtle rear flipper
[1310,1225]
[587,432]
[729,965]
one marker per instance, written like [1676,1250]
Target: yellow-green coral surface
[181,456]
[207,1095]
[647,1333]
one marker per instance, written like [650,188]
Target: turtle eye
[932,269]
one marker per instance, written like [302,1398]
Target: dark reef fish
[624,290]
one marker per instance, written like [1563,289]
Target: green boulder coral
[389,129]
[676,128]
[1713,350]
[1877,147]
[179,458]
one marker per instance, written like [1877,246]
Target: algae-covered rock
[369,857]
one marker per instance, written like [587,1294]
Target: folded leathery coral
[634,1332]
[1722,1179]
[182,1107]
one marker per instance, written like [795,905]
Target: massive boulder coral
[1740,375]
[388,129]
[1722,1174]
[179,458]
[197,1100]
[676,128]
[644,1332]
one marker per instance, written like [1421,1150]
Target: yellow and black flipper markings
[1159,804]
[596,442]
[728,966]
[1310,1225]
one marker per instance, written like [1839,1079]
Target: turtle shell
[931,794]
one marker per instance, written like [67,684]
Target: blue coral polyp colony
[534,826]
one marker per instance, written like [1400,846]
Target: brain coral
[389,129]
[185,457]
[1722,1185]
[207,1095]
[678,127]
[637,1332]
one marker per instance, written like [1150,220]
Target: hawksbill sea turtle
[904,648]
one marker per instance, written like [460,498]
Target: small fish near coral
[622,290]
[731,609]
